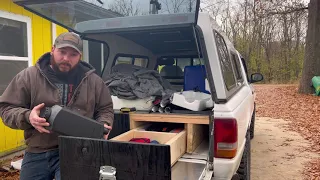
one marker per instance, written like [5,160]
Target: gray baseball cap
[69,39]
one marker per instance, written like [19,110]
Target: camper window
[131,59]
[237,66]
[226,64]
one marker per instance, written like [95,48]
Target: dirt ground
[278,153]
[288,148]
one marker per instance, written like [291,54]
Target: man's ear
[52,49]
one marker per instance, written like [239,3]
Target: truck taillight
[225,138]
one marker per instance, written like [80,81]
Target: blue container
[194,78]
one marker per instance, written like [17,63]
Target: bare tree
[215,8]
[311,65]
[126,7]
[177,6]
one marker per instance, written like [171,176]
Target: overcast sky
[144,4]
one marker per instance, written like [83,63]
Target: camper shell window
[174,66]
[237,67]
[74,15]
[225,61]
[131,59]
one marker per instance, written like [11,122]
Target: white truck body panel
[238,106]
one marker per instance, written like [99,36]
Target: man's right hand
[37,122]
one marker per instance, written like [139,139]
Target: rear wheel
[245,164]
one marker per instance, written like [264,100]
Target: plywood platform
[194,124]
[173,118]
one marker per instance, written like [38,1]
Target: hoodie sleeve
[15,102]
[104,108]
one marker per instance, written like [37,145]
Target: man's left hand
[106,135]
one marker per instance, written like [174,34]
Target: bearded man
[60,78]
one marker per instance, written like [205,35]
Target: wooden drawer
[176,141]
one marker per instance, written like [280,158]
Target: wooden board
[174,118]
[136,124]
[194,125]
[176,141]
[195,135]
[81,158]
[178,146]
[161,137]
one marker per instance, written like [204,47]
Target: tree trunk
[311,65]
[297,23]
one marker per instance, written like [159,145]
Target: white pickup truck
[168,43]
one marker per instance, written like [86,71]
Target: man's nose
[66,58]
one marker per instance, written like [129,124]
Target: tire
[244,170]
[253,118]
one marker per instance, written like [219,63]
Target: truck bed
[178,156]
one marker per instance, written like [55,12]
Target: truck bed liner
[187,171]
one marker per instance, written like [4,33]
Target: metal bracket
[107,173]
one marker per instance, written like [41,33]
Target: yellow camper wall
[10,139]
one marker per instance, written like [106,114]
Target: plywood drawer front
[178,146]
[176,141]
[162,138]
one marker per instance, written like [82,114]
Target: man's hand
[37,122]
[108,127]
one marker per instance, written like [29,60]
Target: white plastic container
[139,104]
[195,101]
[207,86]
[17,164]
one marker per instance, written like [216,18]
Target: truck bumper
[225,169]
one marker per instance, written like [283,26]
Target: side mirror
[256,77]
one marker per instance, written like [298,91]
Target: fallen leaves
[7,172]
[302,111]
[313,168]
[14,175]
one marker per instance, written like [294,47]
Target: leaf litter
[301,111]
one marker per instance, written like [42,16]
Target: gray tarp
[134,82]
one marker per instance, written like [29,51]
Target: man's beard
[55,66]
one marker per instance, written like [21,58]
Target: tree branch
[283,12]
